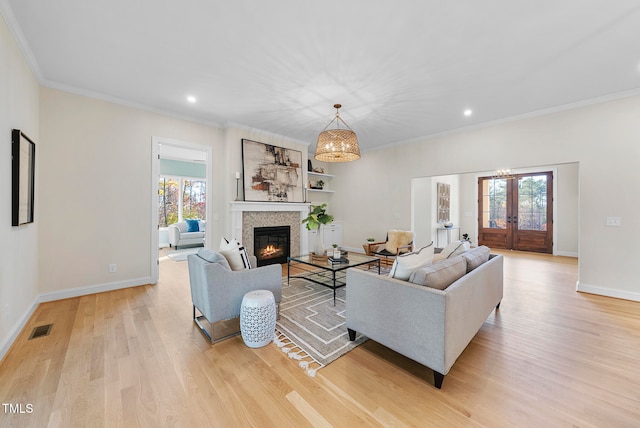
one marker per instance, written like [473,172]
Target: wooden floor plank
[550,356]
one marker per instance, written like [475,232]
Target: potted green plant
[316,218]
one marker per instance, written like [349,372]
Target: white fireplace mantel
[237,208]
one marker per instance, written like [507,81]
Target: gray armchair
[217,291]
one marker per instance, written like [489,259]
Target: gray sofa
[428,325]
[217,291]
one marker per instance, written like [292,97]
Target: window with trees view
[179,199]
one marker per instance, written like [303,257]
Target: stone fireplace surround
[247,215]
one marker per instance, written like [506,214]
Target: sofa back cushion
[453,249]
[213,257]
[181,226]
[440,275]
[476,257]
[405,264]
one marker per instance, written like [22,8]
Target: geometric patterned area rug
[311,330]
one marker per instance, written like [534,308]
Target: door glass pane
[494,203]
[532,203]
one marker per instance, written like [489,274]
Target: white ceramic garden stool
[258,318]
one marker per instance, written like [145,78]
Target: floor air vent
[40,331]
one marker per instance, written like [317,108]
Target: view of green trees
[532,203]
[192,200]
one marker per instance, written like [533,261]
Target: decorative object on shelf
[316,218]
[448,225]
[23,154]
[271,173]
[318,170]
[309,165]
[319,185]
[337,145]
[237,185]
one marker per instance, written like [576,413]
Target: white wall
[602,138]
[95,190]
[19,249]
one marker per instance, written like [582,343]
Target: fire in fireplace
[271,244]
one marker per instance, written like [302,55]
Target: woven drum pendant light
[338,144]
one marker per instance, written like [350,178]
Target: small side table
[258,318]
[448,234]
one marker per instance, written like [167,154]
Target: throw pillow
[245,258]
[453,249]
[476,257]
[440,275]
[405,264]
[193,225]
[231,251]
[213,257]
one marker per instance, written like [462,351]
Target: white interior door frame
[155,174]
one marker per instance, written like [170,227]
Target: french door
[516,212]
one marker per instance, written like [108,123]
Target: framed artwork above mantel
[271,173]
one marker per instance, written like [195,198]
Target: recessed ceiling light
[191,99]
[468,112]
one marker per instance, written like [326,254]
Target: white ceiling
[402,70]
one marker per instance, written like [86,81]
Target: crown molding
[18,36]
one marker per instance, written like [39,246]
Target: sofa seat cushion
[191,235]
[476,257]
[441,274]
[453,249]
[405,264]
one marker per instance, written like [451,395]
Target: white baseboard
[93,289]
[7,341]
[608,292]
[354,250]
[566,254]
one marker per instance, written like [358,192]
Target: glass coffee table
[332,275]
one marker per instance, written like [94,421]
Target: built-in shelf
[317,174]
[321,190]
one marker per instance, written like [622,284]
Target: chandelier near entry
[504,173]
[337,144]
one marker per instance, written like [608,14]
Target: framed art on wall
[23,154]
[271,173]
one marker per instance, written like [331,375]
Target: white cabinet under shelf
[331,234]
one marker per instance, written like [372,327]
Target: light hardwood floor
[549,357]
